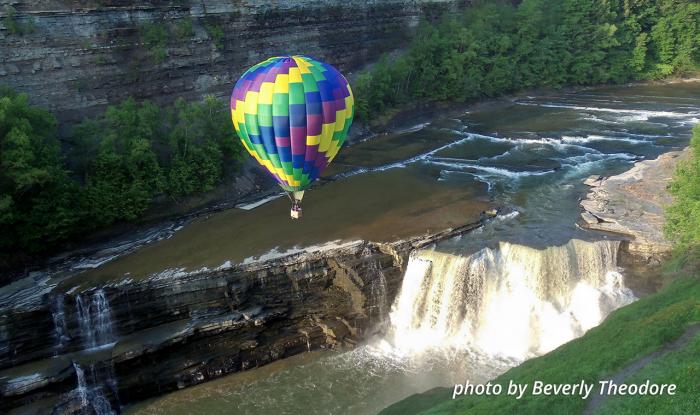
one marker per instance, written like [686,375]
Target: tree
[37,198]
[497,47]
[201,144]
[683,217]
[122,173]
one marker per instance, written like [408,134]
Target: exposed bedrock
[136,339]
[75,57]
[633,204]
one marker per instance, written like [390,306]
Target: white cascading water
[94,319]
[512,301]
[91,397]
[81,388]
[60,330]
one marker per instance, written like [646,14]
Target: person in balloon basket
[296,211]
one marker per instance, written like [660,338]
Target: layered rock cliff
[64,348]
[76,56]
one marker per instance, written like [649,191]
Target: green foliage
[120,162]
[183,29]
[155,38]
[497,47]
[13,25]
[9,21]
[683,217]
[36,195]
[121,173]
[199,142]
[137,151]
[216,33]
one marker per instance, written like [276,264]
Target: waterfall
[94,319]
[60,331]
[82,385]
[90,393]
[511,301]
[378,308]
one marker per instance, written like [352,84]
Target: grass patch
[682,368]
[184,29]
[155,38]
[13,24]
[627,334]
[216,33]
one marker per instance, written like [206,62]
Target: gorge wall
[75,57]
[105,346]
[133,340]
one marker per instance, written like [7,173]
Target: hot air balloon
[292,114]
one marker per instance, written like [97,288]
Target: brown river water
[529,153]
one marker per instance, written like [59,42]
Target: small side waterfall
[95,319]
[60,330]
[512,301]
[378,309]
[81,389]
[90,393]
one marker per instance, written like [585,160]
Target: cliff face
[130,340]
[172,331]
[74,57]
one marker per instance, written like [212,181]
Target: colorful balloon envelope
[292,114]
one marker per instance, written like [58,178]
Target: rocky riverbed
[632,204]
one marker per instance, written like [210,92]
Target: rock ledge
[633,203]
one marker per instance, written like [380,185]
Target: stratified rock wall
[138,339]
[175,330]
[74,57]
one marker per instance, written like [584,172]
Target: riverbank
[633,204]
[166,217]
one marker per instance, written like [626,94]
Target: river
[469,307]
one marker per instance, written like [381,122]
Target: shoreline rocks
[632,204]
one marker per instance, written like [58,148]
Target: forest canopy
[496,47]
[111,169]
